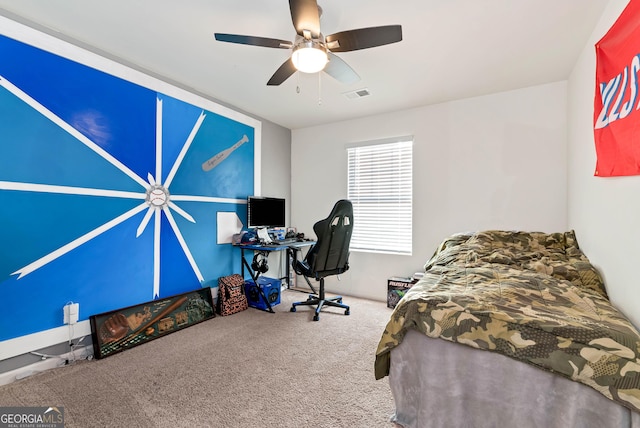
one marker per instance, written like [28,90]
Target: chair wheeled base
[320,300]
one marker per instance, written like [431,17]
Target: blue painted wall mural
[109,190]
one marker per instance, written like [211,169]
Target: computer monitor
[265,212]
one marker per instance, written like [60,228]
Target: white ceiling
[451,49]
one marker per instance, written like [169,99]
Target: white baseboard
[33,342]
[47,363]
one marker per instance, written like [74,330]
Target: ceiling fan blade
[253,40]
[364,38]
[282,73]
[340,70]
[305,16]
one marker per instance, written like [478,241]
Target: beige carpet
[251,369]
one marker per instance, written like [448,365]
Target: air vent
[358,93]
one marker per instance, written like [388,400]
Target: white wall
[276,158]
[276,180]
[605,212]
[491,162]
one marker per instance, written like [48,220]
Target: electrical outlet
[71,312]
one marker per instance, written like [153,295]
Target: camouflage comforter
[531,296]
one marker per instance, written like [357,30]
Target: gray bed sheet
[436,383]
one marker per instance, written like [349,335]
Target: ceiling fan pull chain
[319,89]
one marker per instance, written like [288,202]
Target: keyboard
[285,241]
[280,242]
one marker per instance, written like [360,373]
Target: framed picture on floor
[125,328]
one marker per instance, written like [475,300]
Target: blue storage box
[270,287]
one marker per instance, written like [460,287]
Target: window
[380,189]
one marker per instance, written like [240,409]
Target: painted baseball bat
[214,161]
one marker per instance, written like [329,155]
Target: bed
[557,353]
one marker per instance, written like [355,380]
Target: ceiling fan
[313,52]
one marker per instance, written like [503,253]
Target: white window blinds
[380,189]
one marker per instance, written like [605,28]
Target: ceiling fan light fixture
[309,57]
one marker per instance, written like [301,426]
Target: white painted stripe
[71,130]
[189,198]
[159,140]
[70,190]
[78,242]
[182,212]
[156,255]
[183,152]
[145,221]
[183,244]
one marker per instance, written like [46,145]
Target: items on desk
[277,233]
[263,235]
[249,237]
[236,239]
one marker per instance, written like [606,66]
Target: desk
[292,250]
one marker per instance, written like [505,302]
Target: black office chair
[329,256]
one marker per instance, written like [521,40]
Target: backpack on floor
[231,295]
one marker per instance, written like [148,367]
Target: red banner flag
[616,119]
